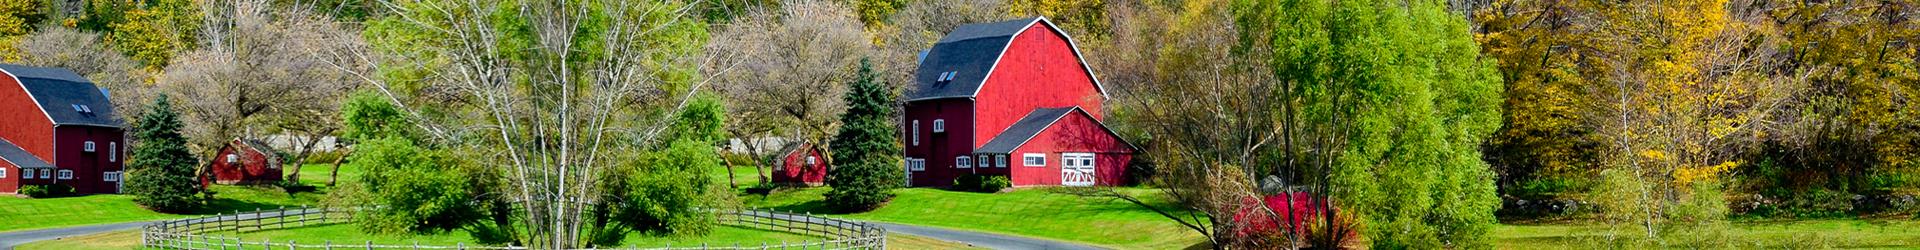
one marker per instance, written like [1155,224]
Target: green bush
[981,183]
[46,191]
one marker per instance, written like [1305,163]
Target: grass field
[24,214]
[1799,234]
[122,240]
[1035,213]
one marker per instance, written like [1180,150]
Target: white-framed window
[963,162]
[812,160]
[66,174]
[915,132]
[111,176]
[113,151]
[1000,161]
[233,158]
[916,164]
[939,125]
[26,173]
[46,173]
[1033,159]
[1077,159]
[3,172]
[87,146]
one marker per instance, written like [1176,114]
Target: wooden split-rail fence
[222,231]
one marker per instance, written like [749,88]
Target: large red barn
[1014,99]
[800,164]
[57,128]
[244,161]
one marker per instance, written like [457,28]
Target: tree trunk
[301,158]
[335,176]
[729,161]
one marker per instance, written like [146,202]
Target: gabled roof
[19,157]
[273,157]
[971,52]
[1034,123]
[59,92]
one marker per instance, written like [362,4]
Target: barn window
[963,162]
[916,132]
[1001,161]
[916,164]
[1034,160]
[111,176]
[85,109]
[3,172]
[113,151]
[811,160]
[939,125]
[66,174]
[87,146]
[233,158]
[26,174]
[45,172]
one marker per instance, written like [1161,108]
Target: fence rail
[199,233]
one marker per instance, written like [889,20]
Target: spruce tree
[160,171]
[865,153]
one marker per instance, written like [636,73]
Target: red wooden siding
[88,167]
[793,168]
[1039,70]
[939,149]
[11,183]
[1075,133]
[253,168]
[25,124]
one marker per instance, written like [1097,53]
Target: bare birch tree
[792,65]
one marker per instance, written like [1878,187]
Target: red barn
[245,161]
[800,164]
[57,128]
[1013,99]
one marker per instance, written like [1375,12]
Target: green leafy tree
[1403,99]
[160,171]
[155,30]
[662,192]
[411,189]
[865,153]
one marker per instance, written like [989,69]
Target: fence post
[283,217]
[291,245]
[328,245]
[303,214]
[369,245]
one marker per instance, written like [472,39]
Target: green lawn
[24,214]
[721,235]
[131,240]
[1824,233]
[1036,213]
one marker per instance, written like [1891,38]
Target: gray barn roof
[19,157]
[65,97]
[970,52]
[1024,130]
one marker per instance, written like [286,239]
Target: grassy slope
[1035,213]
[25,214]
[1824,233]
[131,239]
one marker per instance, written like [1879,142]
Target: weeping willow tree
[553,96]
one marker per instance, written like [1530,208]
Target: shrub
[1299,215]
[46,191]
[981,183]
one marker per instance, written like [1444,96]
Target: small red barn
[800,164]
[1012,99]
[244,161]
[57,128]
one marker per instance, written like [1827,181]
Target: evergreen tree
[160,173]
[865,154]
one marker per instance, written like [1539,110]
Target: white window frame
[113,151]
[1085,159]
[87,147]
[46,174]
[66,174]
[233,158]
[110,176]
[963,162]
[916,164]
[1000,160]
[1025,159]
[3,172]
[26,173]
[916,132]
[939,125]
[812,160]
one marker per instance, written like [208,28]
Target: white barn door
[1076,169]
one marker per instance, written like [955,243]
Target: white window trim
[87,147]
[3,172]
[939,125]
[233,158]
[916,164]
[812,160]
[963,162]
[46,174]
[916,132]
[1000,160]
[1085,159]
[66,174]
[26,173]
[113,151]
[1041,156]
[110,176]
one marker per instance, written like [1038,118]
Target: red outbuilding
[800,164]
[1012,99]
[244,161]
[57,128]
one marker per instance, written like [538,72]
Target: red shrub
[1299,213]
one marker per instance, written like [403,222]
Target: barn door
[1076,169]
